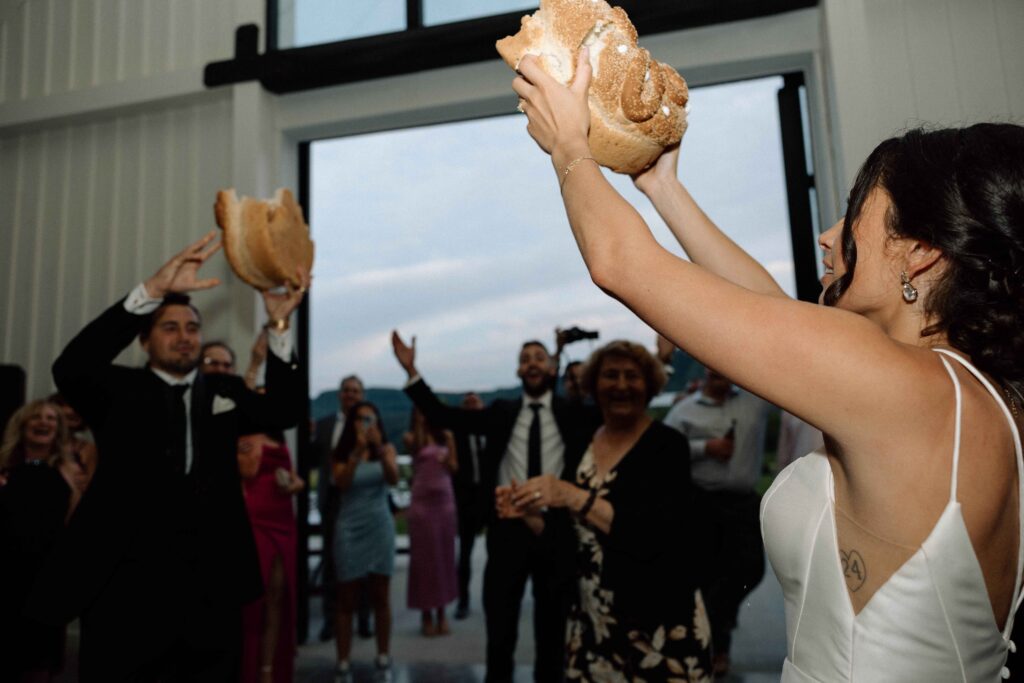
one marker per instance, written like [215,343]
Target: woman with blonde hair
[41,486]
[36,432]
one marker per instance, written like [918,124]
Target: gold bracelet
[571,165]
[279,325]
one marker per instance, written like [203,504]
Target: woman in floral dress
[638,615]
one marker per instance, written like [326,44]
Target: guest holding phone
[364,467]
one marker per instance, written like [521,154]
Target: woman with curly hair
[637,614]
[899,545]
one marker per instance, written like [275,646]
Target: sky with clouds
[321,21]
[456,234]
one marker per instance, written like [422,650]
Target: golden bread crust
[265,241]
[637,104]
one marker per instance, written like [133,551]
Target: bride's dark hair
[960,190]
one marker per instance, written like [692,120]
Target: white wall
[111,153]
[895,64]
[111,150]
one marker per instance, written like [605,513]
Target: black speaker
[12,391]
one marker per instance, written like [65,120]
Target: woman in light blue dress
[364,535]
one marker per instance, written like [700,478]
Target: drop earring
[909,291]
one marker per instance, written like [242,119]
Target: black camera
[575,334]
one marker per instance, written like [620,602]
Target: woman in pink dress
[433,581]
[268,623]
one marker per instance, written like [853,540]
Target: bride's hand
[665,169]
[559,116]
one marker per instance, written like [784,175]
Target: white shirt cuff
[280,344]
[140,302]
[412,380]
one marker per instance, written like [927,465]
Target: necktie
[533,452]
[178,429]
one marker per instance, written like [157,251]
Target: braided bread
[638,105]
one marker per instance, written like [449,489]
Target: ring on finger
[536,495]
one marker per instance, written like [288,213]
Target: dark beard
[176,367]
[539,390]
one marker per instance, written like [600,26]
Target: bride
[899,546]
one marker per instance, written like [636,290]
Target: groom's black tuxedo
[156,562]
[514,553]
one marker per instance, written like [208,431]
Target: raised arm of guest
[257,356]
[280,406]
[84,369]
[436,412]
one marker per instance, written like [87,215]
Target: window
[310,22]
[455,233]
[445,11]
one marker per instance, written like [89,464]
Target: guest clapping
[637,591]
[365,466]
[432,523]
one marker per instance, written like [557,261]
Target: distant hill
[395,406]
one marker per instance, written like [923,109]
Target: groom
[161,548]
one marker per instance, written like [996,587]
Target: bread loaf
[637,105]
[265,241]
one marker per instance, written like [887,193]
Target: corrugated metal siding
[90,207]
[896,64]
[947,62]
[50,47]
[88,211]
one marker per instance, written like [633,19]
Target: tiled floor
[759,644]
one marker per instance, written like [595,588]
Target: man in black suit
[537,434]
[326,435]
[469,449]
[160,551]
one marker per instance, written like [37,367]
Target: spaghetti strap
[954,475]
[1018,595]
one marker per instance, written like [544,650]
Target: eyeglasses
[214,363]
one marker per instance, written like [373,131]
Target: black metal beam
[422,48]
[798,189]
[413,14]
[304,446]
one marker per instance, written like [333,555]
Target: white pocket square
[222,405]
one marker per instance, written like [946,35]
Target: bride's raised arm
[703,241]
[725,314]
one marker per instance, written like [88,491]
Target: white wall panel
[52,47]
[4,61]
[978,63]
[88,211]
[895,64]
[36,48]
[1009,26]
[14,55]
